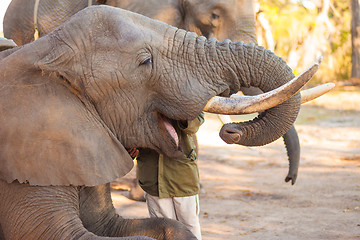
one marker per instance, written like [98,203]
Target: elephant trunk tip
[292,178]
[230,134]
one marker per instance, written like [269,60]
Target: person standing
[172,186]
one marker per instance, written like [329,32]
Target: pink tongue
[172,132]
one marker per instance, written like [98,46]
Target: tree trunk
[355,39]
[266,38]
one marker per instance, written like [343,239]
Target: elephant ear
[49,136]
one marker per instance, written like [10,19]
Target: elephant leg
[98,215]
[31,212]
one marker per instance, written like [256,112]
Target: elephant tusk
[237,105]
[308,94]
[6,44]
[315,92]
[224,118]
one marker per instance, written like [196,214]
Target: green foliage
[304,29]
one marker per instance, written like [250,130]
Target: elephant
[107,79]
[222,19]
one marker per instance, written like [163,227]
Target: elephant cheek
[230,134]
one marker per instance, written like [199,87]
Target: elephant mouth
[168,131]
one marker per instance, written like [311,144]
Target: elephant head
[233,19]
[109,79]
[222,19]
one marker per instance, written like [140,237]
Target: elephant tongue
[171,131]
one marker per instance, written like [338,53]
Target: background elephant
[222,19]
[96,85]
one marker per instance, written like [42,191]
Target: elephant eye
[214,16]
[146,61]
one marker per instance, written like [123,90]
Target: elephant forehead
[129,33]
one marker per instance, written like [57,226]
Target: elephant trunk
[245,31]
[292,144]
[248,65]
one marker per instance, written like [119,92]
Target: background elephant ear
[49,137]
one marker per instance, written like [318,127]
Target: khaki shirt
[164,177]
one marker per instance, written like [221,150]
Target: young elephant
[108,79]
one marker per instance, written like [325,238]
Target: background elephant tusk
[315,92]
[224,119]
[6,44]
[236,105]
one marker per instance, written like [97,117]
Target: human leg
[160,207]
[187,212]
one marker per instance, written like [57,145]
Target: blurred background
[3,6]
[300,30]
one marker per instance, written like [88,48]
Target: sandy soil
[245,196]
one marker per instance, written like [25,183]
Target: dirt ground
[245,196]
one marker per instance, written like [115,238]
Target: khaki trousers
[183,209]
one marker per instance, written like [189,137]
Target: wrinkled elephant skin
[222,19]
[72,101]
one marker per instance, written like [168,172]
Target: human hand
[183,124]
[133,152]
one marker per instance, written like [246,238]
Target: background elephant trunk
[245,31]
[246,65]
